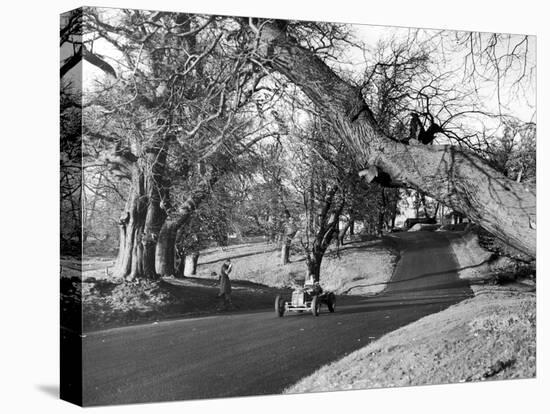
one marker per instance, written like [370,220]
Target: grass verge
[488,337]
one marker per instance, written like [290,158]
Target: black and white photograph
[257,206]
[274,207]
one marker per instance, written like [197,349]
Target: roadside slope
[490,336]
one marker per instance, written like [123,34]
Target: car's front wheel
[279,306]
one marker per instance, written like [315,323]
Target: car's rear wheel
[315,306]
[279,306]
[331,302]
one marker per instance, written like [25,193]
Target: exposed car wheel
[279,306]
[331,302]
[315,306]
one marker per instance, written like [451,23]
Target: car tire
[279,306]
[331,302]
[315,306]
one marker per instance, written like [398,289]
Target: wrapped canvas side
[71,206]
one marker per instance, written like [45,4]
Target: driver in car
[311,286]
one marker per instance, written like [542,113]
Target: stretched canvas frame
[346,108]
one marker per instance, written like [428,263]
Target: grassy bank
[488,337]
[358,268]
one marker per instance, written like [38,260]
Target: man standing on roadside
[225,283]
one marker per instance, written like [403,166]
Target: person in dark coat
[225,283]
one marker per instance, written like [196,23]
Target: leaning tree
[453,175]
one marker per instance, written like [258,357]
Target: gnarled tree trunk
[458,178]
[166,249]
[143,216]
[132,223]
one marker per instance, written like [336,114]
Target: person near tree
[225,283]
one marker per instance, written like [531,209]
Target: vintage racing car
[307,298]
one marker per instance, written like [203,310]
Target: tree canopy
[199,127]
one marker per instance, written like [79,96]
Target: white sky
[521,106]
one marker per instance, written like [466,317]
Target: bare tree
[173,109]
[457,177]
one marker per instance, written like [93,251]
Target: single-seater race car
[308,298]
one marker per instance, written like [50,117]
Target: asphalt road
[257,353]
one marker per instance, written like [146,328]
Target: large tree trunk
[156,216]
[136,257]
[143,216]
[165,252]
[456,177]
[166,249]
[132,223]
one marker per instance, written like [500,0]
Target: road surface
[257,353]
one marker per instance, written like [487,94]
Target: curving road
[257,353]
